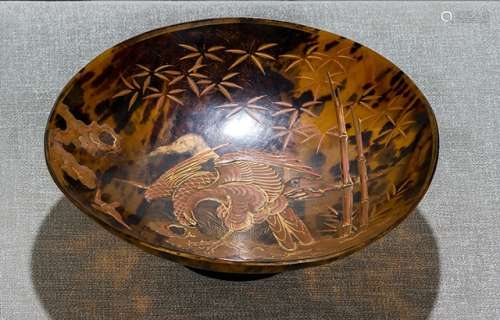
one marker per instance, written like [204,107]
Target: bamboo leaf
[266,46]
[196,67]
[224,92]
[173,98]
[311,49]
[256,61]
[190,55]
[162,77]
[188,47]
[282,112]
[207,89]
[193,86]
[310,137]
[132,100]
[198,75]
[308,63]
[238,61]
[213,57]
[136,85]
[143,67]
[339,64]
[215,48]
[236,51]
[231,85]
[175,91]
[283,104]
[204,81]
[291,65]
[252,115]
[122,93]
[279,135]
[279,128]
[311,103]
[255,99]
[172,72]
[160,102]
[315,57]
[163,67]
[176,79]
[290,56]
[198,62]
[287,140]
[227,105]
[154,95]
[309,112]
[146,84]
[264,55]
[229,76]
[256,107]
[305,78]
[140,74]
[293,118]
[347,57]
[236,110]
[127,84]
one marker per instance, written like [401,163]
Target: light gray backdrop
[442,263]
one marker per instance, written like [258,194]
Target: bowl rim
[216,263]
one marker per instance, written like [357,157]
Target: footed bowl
[243,145]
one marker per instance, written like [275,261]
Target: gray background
[441,263]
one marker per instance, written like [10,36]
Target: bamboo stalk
[363,174]
[347,184]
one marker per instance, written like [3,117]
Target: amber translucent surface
[243,145]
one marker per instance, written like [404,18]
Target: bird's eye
[294,182]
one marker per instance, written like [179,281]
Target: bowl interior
[243,141]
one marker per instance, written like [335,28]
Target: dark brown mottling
[243,145]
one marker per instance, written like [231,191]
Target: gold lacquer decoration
[243,145]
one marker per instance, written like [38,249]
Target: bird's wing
[277,160]
[238,203]
[248,172]
[178,173]
[288,229]
[256,167]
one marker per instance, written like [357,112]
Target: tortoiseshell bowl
[243,145]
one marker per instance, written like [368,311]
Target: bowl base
[231,276]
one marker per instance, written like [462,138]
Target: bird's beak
[331,187]
[161,151]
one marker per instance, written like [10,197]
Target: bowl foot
[231,276]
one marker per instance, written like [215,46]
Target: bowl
[243,145]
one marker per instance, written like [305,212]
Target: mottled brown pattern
[243,145]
